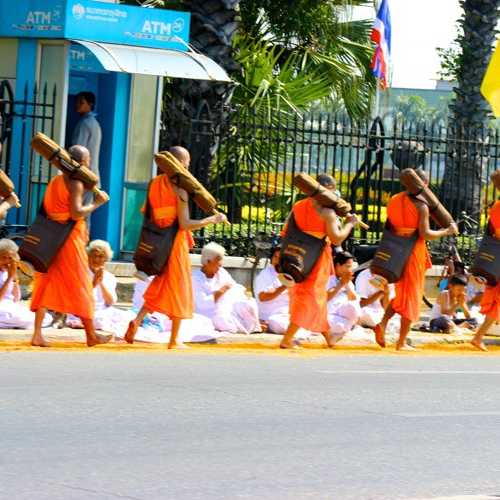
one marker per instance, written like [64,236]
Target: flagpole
[376,110]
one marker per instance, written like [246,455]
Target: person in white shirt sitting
[107,317]
[219,297]
[373,301]
[445,312]
[344,310]
[13,314]
[272,297]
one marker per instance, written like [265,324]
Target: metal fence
[255,160]
[19,120]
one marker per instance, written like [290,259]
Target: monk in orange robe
[308,300]
[171,292]
[67,287]
[490,303]
[406,215]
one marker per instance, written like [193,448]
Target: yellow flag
[490,87]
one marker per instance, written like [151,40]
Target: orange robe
[308,300]
[66,287]
[404,217]
[171,292]
[490,303]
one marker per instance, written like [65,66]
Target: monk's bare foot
[178,345]
[405,348]
[478,344]
[98,339]
[379,335]
[39,341]
[130,333]
[330,342]
[294,344]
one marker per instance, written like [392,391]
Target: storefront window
[142,128]
[52,77]
[140,165]
[8,61]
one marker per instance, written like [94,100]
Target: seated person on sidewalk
[107,317]
[344,310]
[219,297]
[272,297]
[373,301]
[444,313]
[13,314]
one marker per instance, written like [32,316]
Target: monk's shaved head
[182,154]
[80,154]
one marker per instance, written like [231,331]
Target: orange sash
[66,287]
[490,303]
[308,300]
[171,292]
[404,217]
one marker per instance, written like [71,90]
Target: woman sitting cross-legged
[13,314]
[219,297]
[107,317]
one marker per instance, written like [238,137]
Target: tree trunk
[193,110]
[469,112]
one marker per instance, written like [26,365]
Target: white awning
[159,62]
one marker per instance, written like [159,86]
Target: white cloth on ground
[372,314]
[234,312]
[157,327]
[106,318]
[276,311]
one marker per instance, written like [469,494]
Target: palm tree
[469,112]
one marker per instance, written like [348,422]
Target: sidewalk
[359,337]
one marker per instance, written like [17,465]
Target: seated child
[444,315]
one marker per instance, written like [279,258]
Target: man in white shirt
[272,297]
[373,300]
[219,297]
[344,310]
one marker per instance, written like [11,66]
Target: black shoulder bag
[486,263]
[44,239]
[392,254]
[299,252]
[155,244]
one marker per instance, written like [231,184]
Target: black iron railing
[19,120]
[254,163]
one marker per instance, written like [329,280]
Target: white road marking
[410,372]
[460,497]
[449,414]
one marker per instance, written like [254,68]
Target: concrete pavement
[85,425]
[359,337]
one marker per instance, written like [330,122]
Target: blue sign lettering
[96,21]
[32,18]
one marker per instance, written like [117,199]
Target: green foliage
[318,42]
[414,108]
[450,57]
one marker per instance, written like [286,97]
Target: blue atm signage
[95,21]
